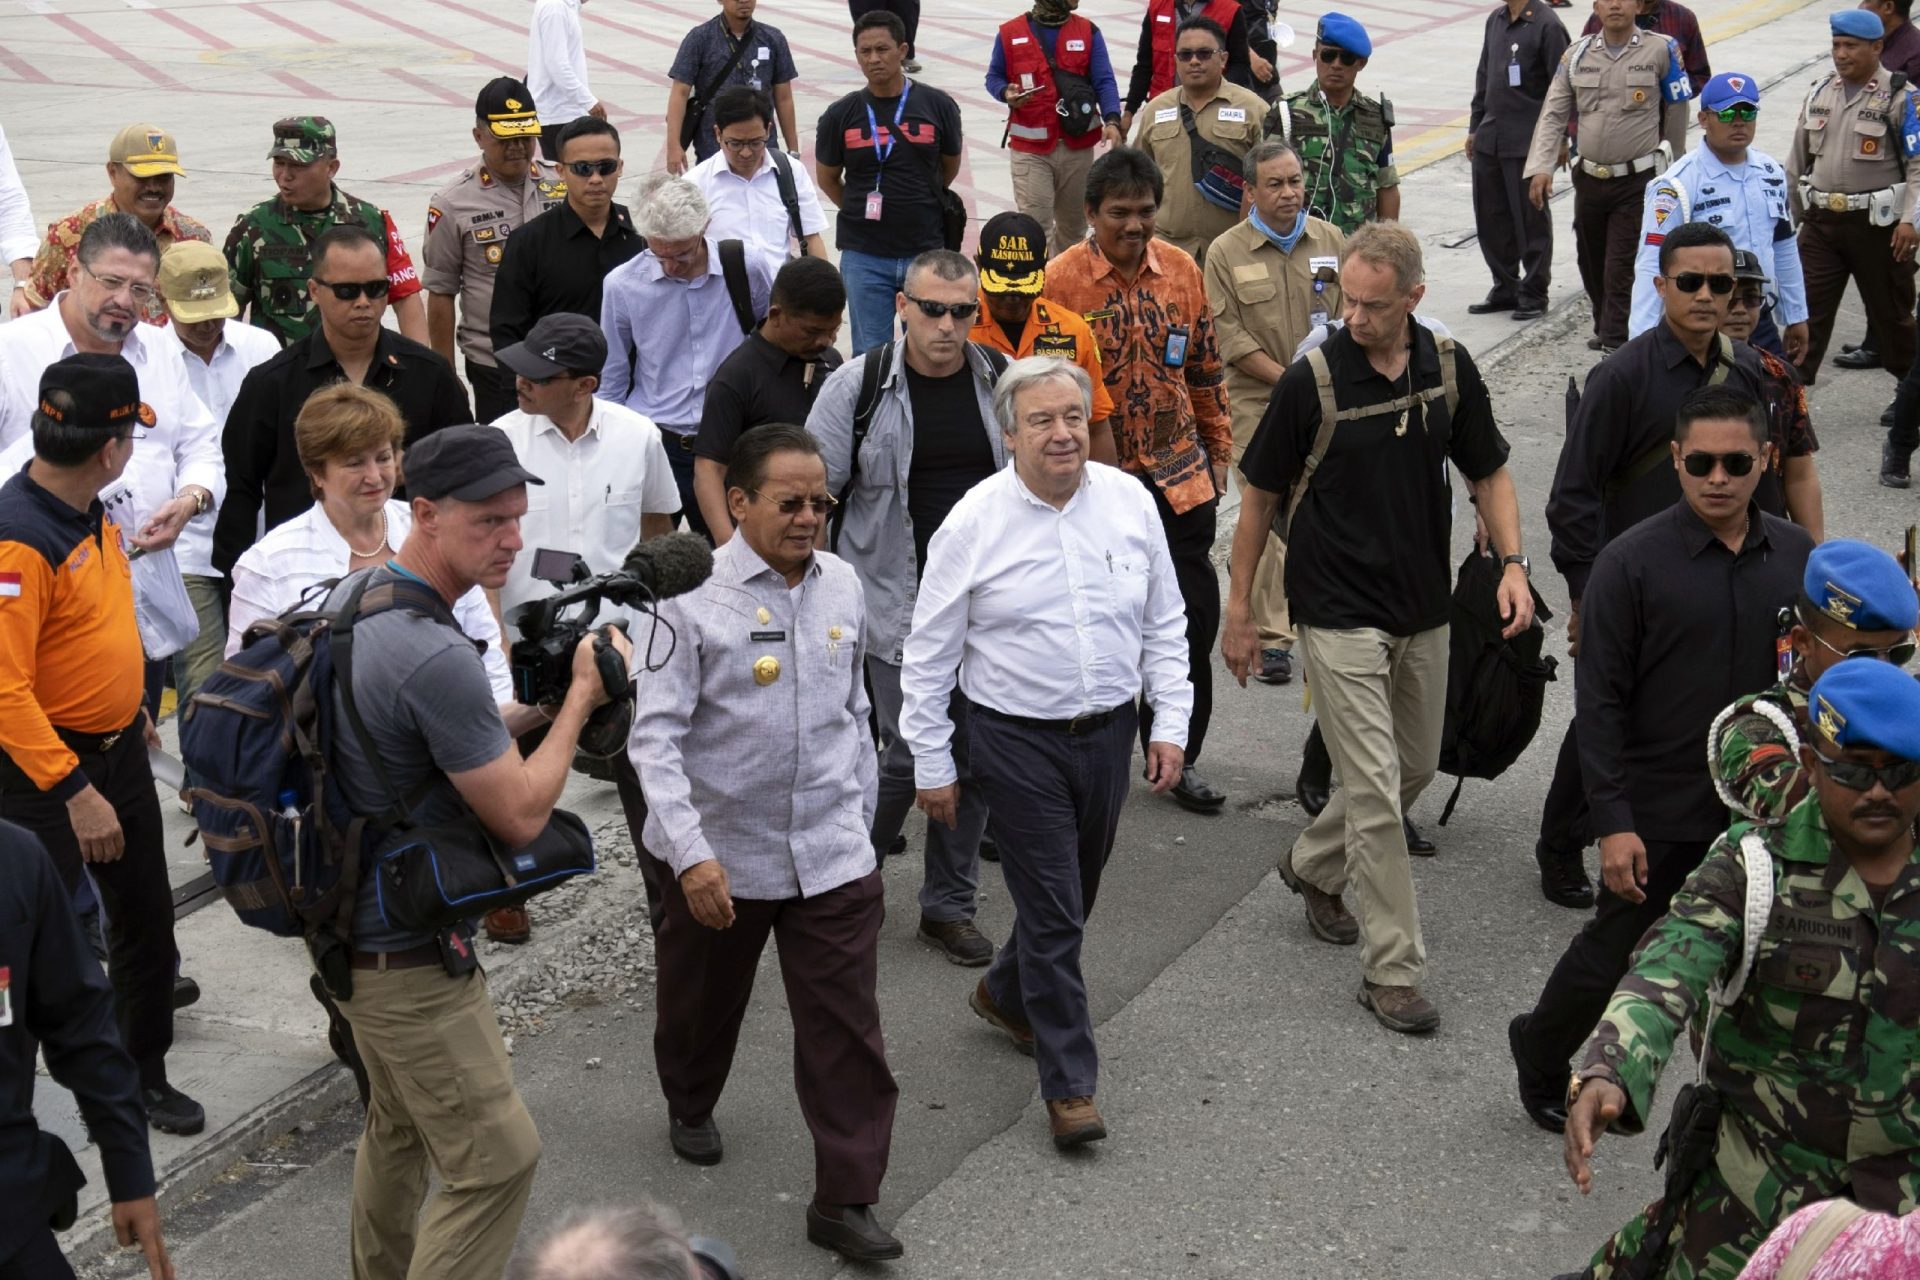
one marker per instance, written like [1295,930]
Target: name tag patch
[1330,262]
[1076,46]
[1164,114]
[1233,115]
[1055,344]
[767,637]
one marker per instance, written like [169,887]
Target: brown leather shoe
[1074,1121]
[1327,916]
[1015,1030]
[509,925]
[1401,1009]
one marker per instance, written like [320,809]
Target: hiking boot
[1327,916]
[1563,877]
[1075,1122]
[1401,1009]
[171,1111]
[958,940]
[509,926]
[1013,1028]
[1276,667]
[1894,463]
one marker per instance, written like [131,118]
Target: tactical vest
[1340,161]
[1034,125]
[1163,21]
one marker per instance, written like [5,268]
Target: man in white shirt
[19,234]
[672,315]
[754,190]
[557,71]
[215,356]
[1049,588]
[606,486]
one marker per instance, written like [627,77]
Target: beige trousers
[1269,601]
[1052,190]
[1380,700]
[443,1095]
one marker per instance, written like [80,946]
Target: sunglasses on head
[936,310]
[1196,55]
[1741,114]
[1701,465]
[1693,281]
[348,290]
[1331,55]
[822,505]
[588,168]
[1855,776]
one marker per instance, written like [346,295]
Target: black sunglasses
[1341,56]
[588,168]
[1196,55]
[1855,776]
[1701,465]
[348,290]
[1742,114]
[935,310]
[1692,281]
[822,505]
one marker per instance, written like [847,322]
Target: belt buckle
[1837,201]
[106,743]
[1073,725]
[1601,171]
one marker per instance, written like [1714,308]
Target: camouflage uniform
[1816,1060]
[53,265]
[1755,767]
[1346,152]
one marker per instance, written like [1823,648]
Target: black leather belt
[412,958]
[1076,727]
[93,744]
[683,441]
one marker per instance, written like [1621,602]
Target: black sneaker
[171,1111]
[1894,465]
[989,849]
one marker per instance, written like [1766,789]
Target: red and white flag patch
[9,585]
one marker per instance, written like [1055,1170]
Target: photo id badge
[1317,317]
[6,996]
[1176,353]
[873,206]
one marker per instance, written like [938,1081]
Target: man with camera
[419,1008]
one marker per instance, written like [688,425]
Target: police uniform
[1631,103]
[468,223]
[1230,122]
[1848,185]
[1748,201]
[1815,1060]
[1345,152]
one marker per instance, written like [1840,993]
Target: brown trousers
[1836,247]
[830,964]
[1606,229]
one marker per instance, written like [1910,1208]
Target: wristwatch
[1526,565]
[202,500]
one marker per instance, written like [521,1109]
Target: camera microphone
[670,565]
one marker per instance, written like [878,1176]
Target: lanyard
[873,126]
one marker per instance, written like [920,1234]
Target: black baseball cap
[507,107]
[470,462]
[1746,266]
[1013,254]
[94,390]
[561,342]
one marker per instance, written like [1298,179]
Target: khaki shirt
[1852,146]
[1265,300]
[1230,121]
[1628,105]
[468,223]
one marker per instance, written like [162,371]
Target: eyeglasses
[820,506]
[550,379]
[1900,653]
[1700,465]
[1196,55]
[1855,776]
[936,310]
[745,146]
[1749,298]
[1694,281]
[348,290]
[680,259]
[589,168]
[142,293]
[1742,114]
[1341,56]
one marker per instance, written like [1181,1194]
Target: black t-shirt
[951,453]
[907,179]
[758,384]
[1370,545]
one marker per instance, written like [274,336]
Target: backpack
[1495,686]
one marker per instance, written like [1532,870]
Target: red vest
[1163,21]
[1034,125]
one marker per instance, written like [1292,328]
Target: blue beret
[1857,23]
[1728,88]
[1342,32]
[1869,704]
[1860,586]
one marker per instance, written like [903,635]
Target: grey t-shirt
[423,692]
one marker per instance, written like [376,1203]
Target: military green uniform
[1346,152]
[1817,1059]
[1756,767]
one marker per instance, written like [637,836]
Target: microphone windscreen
[671,564]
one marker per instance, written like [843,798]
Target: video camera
[552,627]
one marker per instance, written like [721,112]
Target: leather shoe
[698,1143]
[1399,1008]
[1313,786]
[1894,466]
[1529,311]
[852,1231]
[1490,305]
[510,926]
[1541,1093]
[1417,845]
[1563,877]
[1594,343]
[1075,1122]
[1013,1028]
[1192,792]
[1327,916]
[1858,358]
[171,1111]
[957,940]
[898,847]
[185,992]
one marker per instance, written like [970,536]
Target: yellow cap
[146,150]
[193,282]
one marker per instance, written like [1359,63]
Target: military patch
[1869,146]
[433,219]
[1639,96]
[494,253]
[483,234]
[1830,722]
[551,190]
[1055,344]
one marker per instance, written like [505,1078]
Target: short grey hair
[1263,151]
[674,210]
[1391,245]
[1031,372]
[116,231]
[644,1242]
[944,263]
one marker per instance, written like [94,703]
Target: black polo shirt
[556,263]
[759,383]
[1673,627]
[263,465]
[1370,544]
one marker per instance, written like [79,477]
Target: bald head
[643,1243]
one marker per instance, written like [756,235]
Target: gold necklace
[368,555]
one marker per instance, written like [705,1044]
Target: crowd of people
[968,569]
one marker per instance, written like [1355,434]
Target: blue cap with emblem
[1729,88]
[1860,586]
[1342,32]
[1858,24]
[1868,704]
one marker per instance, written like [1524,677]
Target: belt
[683,440]
[92,744]
[1625,168]
[1839,201]
[1075,727]
[412,958]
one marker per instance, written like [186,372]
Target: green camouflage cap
[304,139]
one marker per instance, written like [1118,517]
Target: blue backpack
[282,843]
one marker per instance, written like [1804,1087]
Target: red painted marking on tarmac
[204,36]
[421,33]
[115,52]
[22,68]
[421,82]
[280,19]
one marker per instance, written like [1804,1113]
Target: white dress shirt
[557,63]
[750,209]
[621,456]
[1050,614]
[19,236]
[181,448]
[216,382]
[307,550]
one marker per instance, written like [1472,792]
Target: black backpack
[1495,686]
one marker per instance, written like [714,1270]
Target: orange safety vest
[1034,125]
[1165,22]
